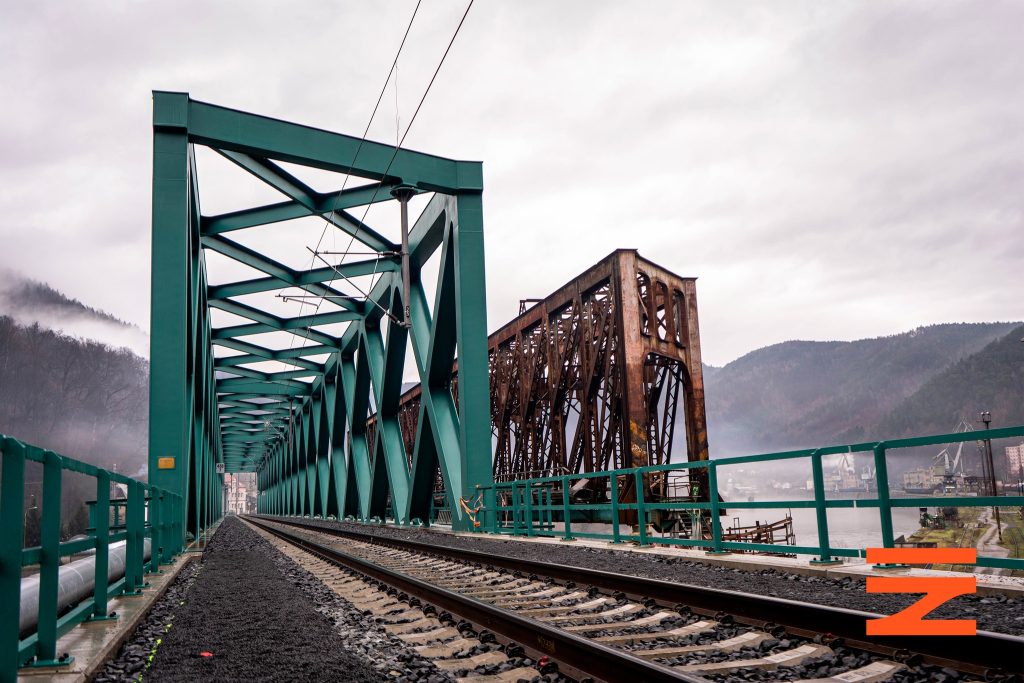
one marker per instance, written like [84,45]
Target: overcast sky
[828,170]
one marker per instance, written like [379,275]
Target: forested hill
[29,302]
[75,396]
[800,394]
[991,379]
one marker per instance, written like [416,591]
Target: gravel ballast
[140,648]
[993,613]
[241,618]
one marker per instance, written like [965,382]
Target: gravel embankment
[241,618]
[995,613]
[140,648]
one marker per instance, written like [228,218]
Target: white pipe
[75,582]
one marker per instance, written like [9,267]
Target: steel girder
[303,430]
[593,377]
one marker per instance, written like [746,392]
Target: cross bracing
[278,370]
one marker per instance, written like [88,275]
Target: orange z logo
[937,590]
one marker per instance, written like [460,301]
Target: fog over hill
[30,302]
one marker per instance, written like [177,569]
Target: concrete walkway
[988,544]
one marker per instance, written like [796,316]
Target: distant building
[240,498]
[1014,461]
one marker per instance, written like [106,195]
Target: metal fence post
[155,528]
[616,538]
[101,525]
[491,502]
[884,506]
[134,545]
[716,518]
[515,510]
[825,551]
[174,526]
[12,526]
[641,509]
[549,501]
[566,510]
[49,562]
[528,507]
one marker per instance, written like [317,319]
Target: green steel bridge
[301,425]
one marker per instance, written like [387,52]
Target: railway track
[596,625]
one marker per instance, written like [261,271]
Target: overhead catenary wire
[359,147]
[391,161]
[373,198]
[327,221]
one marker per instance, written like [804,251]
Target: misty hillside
[29,302]
[800,394]
[992,379]
[77,397]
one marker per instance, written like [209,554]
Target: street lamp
[986,417]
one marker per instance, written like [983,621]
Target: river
[847,527]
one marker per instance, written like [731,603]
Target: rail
[149,513]
[593,658]
[984,651]
[527,506]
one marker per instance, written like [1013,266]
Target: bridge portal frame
[312,457]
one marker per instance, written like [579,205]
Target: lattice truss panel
[596,376]
[269,355]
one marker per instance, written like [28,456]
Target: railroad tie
[785,658]
[485,659]
[681,632]
[618,625]
[443,634]
[616,612]
[875,672]
[748,639]
[593,604]
[410,626]
[399,617]
[450,649]
[512,676]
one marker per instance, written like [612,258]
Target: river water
[847,527]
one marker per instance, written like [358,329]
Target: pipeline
[75,582]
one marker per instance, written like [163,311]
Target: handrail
[150,513]
[531,508]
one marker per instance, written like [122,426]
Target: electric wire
[391,161]
[359,147]
[355,157]
[394,156]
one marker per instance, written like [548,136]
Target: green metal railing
[526,506]
[146,512]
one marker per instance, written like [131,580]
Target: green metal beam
[230,129]
[292,187]
[309,277]
[303,322]
[289,210]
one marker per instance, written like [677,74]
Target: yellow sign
[165,463]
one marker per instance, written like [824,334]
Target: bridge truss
[599,375]
[288,396]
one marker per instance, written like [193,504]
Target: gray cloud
[828,170]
